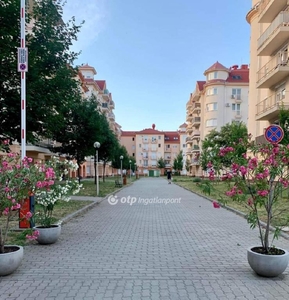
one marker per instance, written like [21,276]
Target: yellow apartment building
[220,99]
[269,68]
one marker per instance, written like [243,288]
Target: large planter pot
[268,265]
[10,260]
[48,235]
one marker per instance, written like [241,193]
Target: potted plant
[46,199]
[17,179]
[257,180]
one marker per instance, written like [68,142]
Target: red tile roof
[200,85]
[150,131]
[239,75]
[184,125]
[128,133]
[101,84]
[172,137]
[216,67]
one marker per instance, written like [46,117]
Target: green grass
[281,215]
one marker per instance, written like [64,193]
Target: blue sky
[152,52]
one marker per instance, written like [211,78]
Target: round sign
[22,67]
[274,134]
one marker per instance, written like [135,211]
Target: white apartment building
[220,99]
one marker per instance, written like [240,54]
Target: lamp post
[129,169]
[121,158]
[135,169]
[96,146]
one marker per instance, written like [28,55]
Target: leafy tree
[228,136]
[187,166]
[116,161]
[50,82]
[83,126]
[161,163]
[284,123]
[178,162]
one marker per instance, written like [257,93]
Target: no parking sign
[274,134]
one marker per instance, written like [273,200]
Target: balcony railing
[195,162]
[269,108]
[196,120]
[282,20]
[196,108]
[273,72]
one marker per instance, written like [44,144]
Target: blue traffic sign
[274,134]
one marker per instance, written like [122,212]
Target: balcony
[196,121]
[273,72]
[189,104]
[111,104]
[195,162]
[196,134]
[189,140]
[237,98]
[275,35]
[189,117]
[238,114]
[195,148]
[189,128]
[196,109]
[111,116]
[269,108]
[104,106]
[269,10]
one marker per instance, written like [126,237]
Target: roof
[216,67]
[172,136]
[150,131]
[128,133]
[101,84]
[184,125]
[240,75]
[87,67]
[200,85]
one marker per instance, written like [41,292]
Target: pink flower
[33,236]
[15,207]
[216,204]
[250,202]
[209,165]
[28,215]
[6,211]
[263,193]
[243,170]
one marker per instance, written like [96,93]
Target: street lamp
[129,169]
[96,146]
[121,158]
[135,168]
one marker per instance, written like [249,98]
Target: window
[154,139]
[236,94]
[160,137]
[133,138]
[145,163]
[213,75]
[167,146]
[159,145]
[184,145]
[139,145]
[280,93]
[212,91]
[153,156]
[212,106]
[237,77]
[133,147]
[211,122]
[154,163]
[236,108]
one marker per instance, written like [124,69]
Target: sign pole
[22,68]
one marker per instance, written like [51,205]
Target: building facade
[269,68]
[220,99]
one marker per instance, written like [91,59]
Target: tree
[83,126]
[161,163]
[284,123]
[188,163]
[178,162]
[50,80]
[116,161]
[229,135]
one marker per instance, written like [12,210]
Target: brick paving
[186,250]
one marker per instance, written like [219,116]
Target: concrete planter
[268,265]
[10,261]
[48,235]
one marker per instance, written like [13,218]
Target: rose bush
[257,180]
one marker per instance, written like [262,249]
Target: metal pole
[97,182]
[129,171]
[121,168]
[95,167]
[23,83]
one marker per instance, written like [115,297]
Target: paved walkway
[186,250]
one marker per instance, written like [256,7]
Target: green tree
[178,162]
[230,135]
[51,82]
[161,163]
[188,163]
[284,123]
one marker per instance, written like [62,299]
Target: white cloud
[93,13]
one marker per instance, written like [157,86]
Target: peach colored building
[269,68]
[220,99]
[149,145]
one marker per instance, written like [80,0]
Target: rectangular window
[212,91]
[236,94]
[133,154]
[211,122]
[212,106]
[280,93]
[145,163]
[159,145]
[133,138]
[139,145]
[236,107]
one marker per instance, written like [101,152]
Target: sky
[152,52]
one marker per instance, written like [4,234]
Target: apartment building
[269,68]
[220,99]
[150,144]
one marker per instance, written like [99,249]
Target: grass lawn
[281,215]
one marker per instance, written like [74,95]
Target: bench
[118,183]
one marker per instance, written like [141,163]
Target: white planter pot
[10,261]
[48,235]
[268,265]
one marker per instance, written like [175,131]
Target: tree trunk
[103,170]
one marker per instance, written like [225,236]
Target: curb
[237,212]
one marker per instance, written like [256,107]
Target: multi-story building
[221,99]
[149,145]
[269,67]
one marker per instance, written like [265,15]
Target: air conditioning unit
[227,104]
